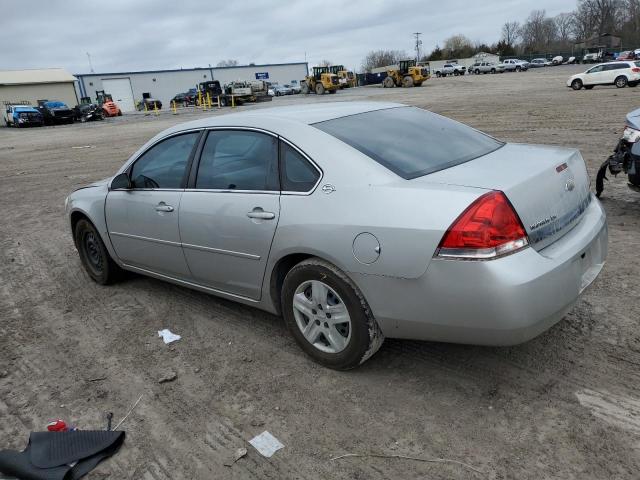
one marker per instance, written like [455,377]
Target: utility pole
[90,65]
[418,43]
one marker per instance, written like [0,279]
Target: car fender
[90,202]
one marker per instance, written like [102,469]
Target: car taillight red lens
[488,228]
[635,70]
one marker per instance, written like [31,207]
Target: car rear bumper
[499,302]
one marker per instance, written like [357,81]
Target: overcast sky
[124,35]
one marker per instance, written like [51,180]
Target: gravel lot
[565,405]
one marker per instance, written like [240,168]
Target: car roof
[304,113]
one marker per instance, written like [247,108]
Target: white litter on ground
[168,336]
[266,444]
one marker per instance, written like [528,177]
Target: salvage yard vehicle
[108,106]
[407,75]
[54,112]
[450,69]
[515,65]
[355,221]
[620,74]
[540,62]
[626,156]
[87,112]
[487,67]
[346,78]
[148,103]
[22,116]
[320,81]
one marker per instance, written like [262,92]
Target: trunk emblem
[328,188]
[570,185]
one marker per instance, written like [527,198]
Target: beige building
[29,86]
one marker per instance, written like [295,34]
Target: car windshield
[409,141]
[55,104]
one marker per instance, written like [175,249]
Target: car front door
[229,213]
[142,221]
[595,76]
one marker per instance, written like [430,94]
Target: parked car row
[55,113]
[618,73]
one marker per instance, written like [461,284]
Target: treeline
[538,33]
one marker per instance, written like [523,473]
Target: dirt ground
[565,405]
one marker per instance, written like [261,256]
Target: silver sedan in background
[355,222]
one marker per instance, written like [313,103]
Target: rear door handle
[261,214]
[163,207]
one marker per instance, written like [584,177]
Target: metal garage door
[120,90]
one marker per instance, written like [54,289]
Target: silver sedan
[355,222]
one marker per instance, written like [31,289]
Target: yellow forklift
[407,75]
[346,78]
[321,81]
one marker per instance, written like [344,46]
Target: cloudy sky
[126,35]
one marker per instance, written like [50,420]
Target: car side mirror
[121,182]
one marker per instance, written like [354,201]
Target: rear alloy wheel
[94,255]
[319,88]
[328,316]
[576,84]
[388,82]
[621,81]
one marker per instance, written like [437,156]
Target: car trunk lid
[547,186]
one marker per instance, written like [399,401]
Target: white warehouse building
[127,88]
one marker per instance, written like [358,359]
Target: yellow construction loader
[320,82]
[346,78]
[407,75]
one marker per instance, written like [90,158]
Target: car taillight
[487,229]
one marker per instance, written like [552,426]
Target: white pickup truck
[450,69]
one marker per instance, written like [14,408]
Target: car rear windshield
[409,141]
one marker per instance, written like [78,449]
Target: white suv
[619,74]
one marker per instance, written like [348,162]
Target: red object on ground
[57,426]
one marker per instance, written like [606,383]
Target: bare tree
[457,46]
[227,63]
[564,27]
[511,32]
[538,32]
[325,63]
[382,58]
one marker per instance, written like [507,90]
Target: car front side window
[239,160]
[164,165]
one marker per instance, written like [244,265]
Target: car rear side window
[164,164]
[409,141]
[296,173]
[238,160]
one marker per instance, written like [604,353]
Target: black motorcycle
[626,156]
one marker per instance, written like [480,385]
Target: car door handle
[163,207]
[261,214]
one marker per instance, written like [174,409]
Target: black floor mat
[60,455]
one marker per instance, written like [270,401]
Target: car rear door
[143,221]
[229,213]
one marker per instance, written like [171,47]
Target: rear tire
[576,84]
[633,84]
[94,255]
[621,81]
[322,290]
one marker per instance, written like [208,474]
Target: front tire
[388,82]
[407,82]
[328,316]
[94,255]
[319,88]
[576,84]
[621,81]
